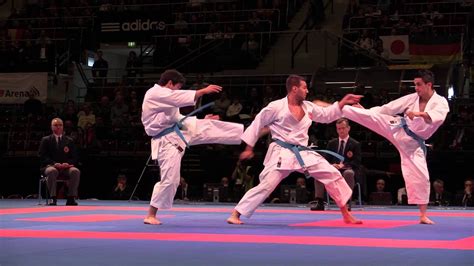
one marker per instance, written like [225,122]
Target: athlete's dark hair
[171,75]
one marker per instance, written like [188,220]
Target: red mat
[88,218]
[461,244]
[366,223]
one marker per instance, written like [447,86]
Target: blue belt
[296,150]
[421,142]
[178,125]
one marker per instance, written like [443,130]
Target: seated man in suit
[439,196]
[465,197]
[58,156]
[347,147]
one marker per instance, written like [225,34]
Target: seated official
[439,196]
[348,148]
[58,156]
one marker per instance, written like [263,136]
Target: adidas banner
[16,88]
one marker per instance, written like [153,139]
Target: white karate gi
[280,162]
[382,120]
[161,111]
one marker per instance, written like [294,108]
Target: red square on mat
[87,218]
[366,223]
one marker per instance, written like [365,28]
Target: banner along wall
[16,88]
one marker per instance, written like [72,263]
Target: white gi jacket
[283,126]
[437,108]
[161,111]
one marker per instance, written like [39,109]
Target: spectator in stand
[364,41]
[70,130]
[250,48]
[380,185]
[225,192]
[182,190]
[462,138]
[86,116]
[180,24]
[119,111]
[431,14]
[44,44]
[121,191]
[100,70]
[254,22]
[213,33]
[268,96]
[33,107]
[221,104]
[234,110]
[70,114]
[402,198]
[103,109]
[197,85]
[465,197]
[302,193]
[133,68]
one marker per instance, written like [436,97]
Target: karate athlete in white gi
[171,134]
[424,112]
[288,120]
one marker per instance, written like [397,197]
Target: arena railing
[243,11]
[451,16]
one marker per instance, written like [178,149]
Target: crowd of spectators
[35,35]
[365,21]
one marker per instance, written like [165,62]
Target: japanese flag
[396,47]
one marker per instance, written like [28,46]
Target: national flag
[435,49]
[396,47]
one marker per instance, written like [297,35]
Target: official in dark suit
[439,196]
[58,156]
[347,147]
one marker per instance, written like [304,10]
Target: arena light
[450,92]
[339,82]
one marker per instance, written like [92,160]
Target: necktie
[59,141]
[341,148]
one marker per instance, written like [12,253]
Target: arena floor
[112,233]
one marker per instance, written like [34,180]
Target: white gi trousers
[413,160]
[169,151]
[271,176]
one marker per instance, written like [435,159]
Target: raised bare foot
[425,220]
[151,220]
[349,219]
